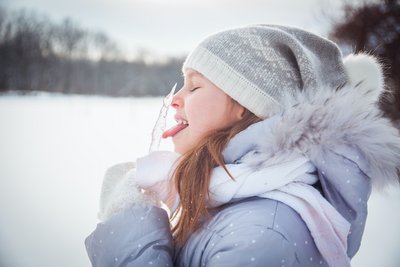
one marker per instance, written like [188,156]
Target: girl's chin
[183,142]
[180,147]
[180,150]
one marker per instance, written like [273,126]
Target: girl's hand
[154,175]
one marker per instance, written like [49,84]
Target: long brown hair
[193,173]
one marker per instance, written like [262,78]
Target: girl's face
[200,108]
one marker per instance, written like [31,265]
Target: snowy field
[54,150]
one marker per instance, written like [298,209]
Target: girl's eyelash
[191,90]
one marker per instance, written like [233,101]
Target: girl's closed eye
[194,89]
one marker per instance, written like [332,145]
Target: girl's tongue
[174,130]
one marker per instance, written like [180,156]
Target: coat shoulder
[268,213]
[264,212]
[268,229]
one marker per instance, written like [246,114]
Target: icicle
[159,127]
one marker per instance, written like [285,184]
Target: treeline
[374,27]
[38,54]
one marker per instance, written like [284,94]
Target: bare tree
[104,48]
[71,39]
[374,27]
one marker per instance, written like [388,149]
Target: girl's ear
[238,109]
[240,112]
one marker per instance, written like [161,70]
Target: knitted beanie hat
[260,65]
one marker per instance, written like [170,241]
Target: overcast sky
[173,27]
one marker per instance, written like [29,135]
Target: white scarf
[288,182]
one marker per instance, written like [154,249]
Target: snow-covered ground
[54,150]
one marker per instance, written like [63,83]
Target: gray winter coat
[344,135]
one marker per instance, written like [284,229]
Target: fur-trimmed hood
[314,121]
[343,133]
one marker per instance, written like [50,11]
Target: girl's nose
[177,101]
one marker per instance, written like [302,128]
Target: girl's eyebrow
[190,74]
[188,78]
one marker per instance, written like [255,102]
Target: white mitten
[146,182]
[153,174]
[119,190]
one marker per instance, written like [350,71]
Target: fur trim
[328,119]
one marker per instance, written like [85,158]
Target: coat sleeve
[249,246]
[136,236]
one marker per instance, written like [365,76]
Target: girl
[277,144]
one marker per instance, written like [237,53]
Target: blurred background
[81,85]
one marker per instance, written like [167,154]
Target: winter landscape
[54,151]
[80,87]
